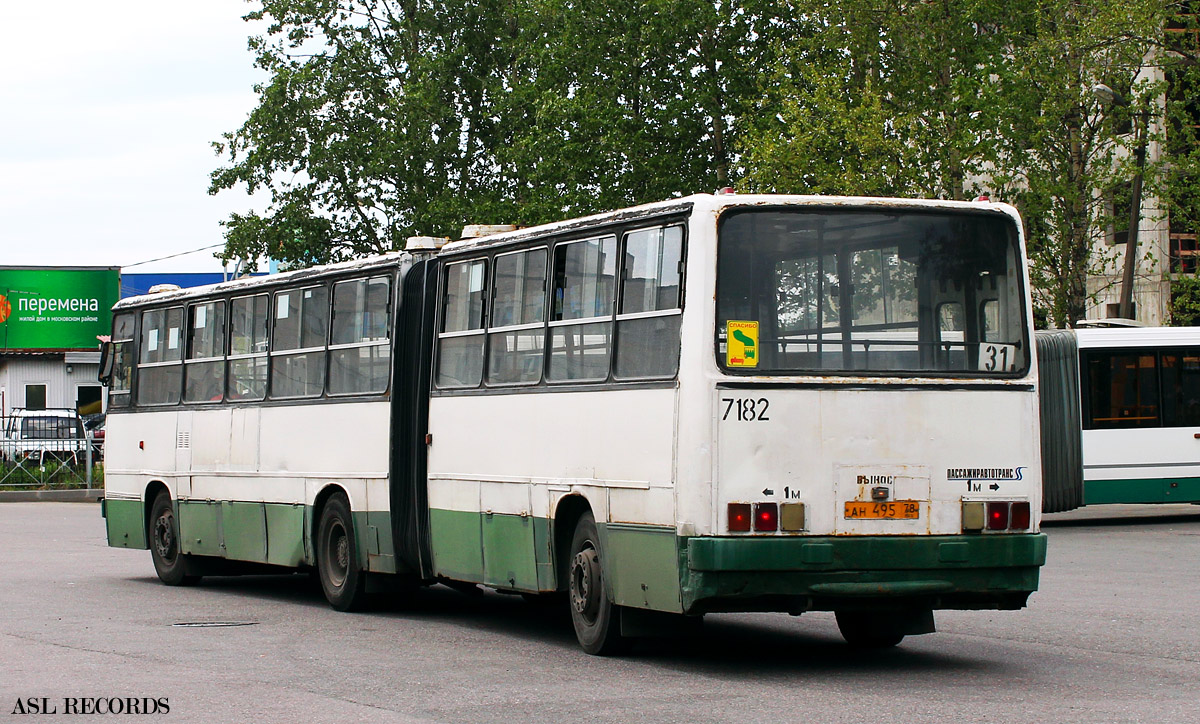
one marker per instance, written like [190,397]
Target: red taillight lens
[739,517]
[1020,516]
[997,516]
[766,517]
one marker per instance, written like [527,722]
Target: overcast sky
[107,113]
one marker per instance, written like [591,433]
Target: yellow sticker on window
[741,346]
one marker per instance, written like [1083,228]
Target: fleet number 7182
[746,409]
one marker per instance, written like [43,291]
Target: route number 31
[997,357]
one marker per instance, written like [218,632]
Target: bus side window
[359,355]
[247,348]
[460,342]
[517,332]
[119,387]
[1122,390]
[159,366]
[298,342]
[581,321]
[649,315]
[1181,388]
[204,370]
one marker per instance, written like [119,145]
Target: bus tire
[170,562]
[595,617]
[866,630]
[343,583]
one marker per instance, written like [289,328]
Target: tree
[1182,70]
[387,118]
[944,99]
[1185,301]
[884,97]
[373,126]
[1061,149]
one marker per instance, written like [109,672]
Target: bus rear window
[827,290]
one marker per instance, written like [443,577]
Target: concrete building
[1153,263]
[1167,247]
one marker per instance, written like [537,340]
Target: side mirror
[106,362]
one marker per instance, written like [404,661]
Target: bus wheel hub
[584,582]
[163,540]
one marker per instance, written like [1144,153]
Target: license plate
[894,510]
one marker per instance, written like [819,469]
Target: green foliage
[1182,183]
[384,118]
[878,98]
[1060,144]
[53,475]
[1185,301]
[388,118]
[933,99]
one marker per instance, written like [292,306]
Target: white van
[43,435]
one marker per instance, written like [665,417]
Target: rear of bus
[870,386]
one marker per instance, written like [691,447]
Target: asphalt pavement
[1112,636]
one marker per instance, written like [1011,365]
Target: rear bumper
[868,573]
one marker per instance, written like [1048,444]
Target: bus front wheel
[595,617]
[343,583]
[169,562]
[868,630]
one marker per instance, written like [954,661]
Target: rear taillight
[739,517]
[1019,518]
[995,515]
[766,517]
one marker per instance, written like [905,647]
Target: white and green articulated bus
[711,404]
[1120,415]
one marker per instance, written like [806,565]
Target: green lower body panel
[516,553]
[509,559]
[869,572]
[286,525]
[506,551]
[650,567]
[200,528]
[647,567]
[125,521]
[373,531]
[642,563]
[243,531]
[1148,490]
[457,541]
[272,533]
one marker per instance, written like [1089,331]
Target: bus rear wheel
[169,562]
[343,583]
[868,630]
[594,616]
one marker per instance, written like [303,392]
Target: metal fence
[49,449]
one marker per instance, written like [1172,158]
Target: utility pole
[1141,133]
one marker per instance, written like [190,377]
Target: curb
[82,495]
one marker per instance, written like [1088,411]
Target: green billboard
[43,308]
